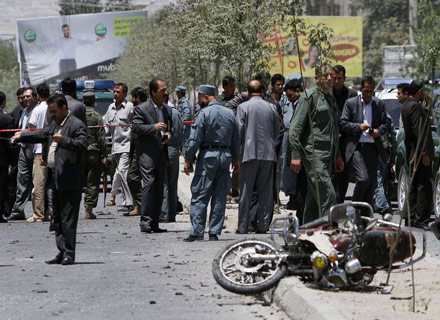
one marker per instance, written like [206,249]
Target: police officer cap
[181,89]
[207,89]
[89,94]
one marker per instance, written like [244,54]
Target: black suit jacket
[68,171]
[16,114]
[6,122]
[417,129]
[352,117]
[149,142]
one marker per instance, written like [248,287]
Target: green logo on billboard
[100,30]
[30,35]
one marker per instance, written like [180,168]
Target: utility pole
[412,20]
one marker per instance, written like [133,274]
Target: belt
[214,147]
[366,144]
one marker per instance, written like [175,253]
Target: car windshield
[393,108]
[101,105]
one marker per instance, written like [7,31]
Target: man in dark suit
[420,154]
[65,141]
[364,120]
[152,123]
[341,94]
[77,108]
[14,152]
[6,122]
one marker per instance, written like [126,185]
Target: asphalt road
[119,274]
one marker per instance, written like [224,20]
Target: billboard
[346,42]
[78,46]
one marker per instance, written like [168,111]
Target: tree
[9,73]
[193,42]
[427,59]
[384,23]
[118,5]
[69,7]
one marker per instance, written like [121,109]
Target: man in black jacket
[65,141]
[341,94]
[420,154]
[152,123]
[364,120]
[6,122]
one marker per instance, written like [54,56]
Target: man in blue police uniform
[215,133]
[186,113]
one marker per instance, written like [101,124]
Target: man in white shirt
[38,120]
[364,120]
[119,118]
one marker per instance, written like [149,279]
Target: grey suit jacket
[259,127]
[352,117]
[77,108]
[148,143]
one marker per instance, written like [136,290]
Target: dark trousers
[171,176]
[3,190]
[340,182]
[152,172]
[420,196]
[65,218]
[134,180]
[364,163]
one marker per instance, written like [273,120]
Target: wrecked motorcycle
[342,250]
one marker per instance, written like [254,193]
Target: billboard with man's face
[78,46]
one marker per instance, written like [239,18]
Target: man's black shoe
[146,229]
[240,232]
[434,227]
[260,232]
[158,230]
[56,260]
[67,261]
[179,207]
[192,238]
[17,216]
[213,237]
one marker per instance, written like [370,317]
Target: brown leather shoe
[135,212]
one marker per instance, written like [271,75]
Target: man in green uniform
[314,137]
[96,155]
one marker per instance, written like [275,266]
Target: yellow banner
[346,42]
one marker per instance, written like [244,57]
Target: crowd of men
[308,144]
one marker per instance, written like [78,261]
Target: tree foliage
[69,7]
[199,41]
[427,60]
[9,73]
[384,23]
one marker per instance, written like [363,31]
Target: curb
[300,302]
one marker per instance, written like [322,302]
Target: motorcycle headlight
[319,260]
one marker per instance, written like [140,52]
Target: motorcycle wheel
[235,271]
